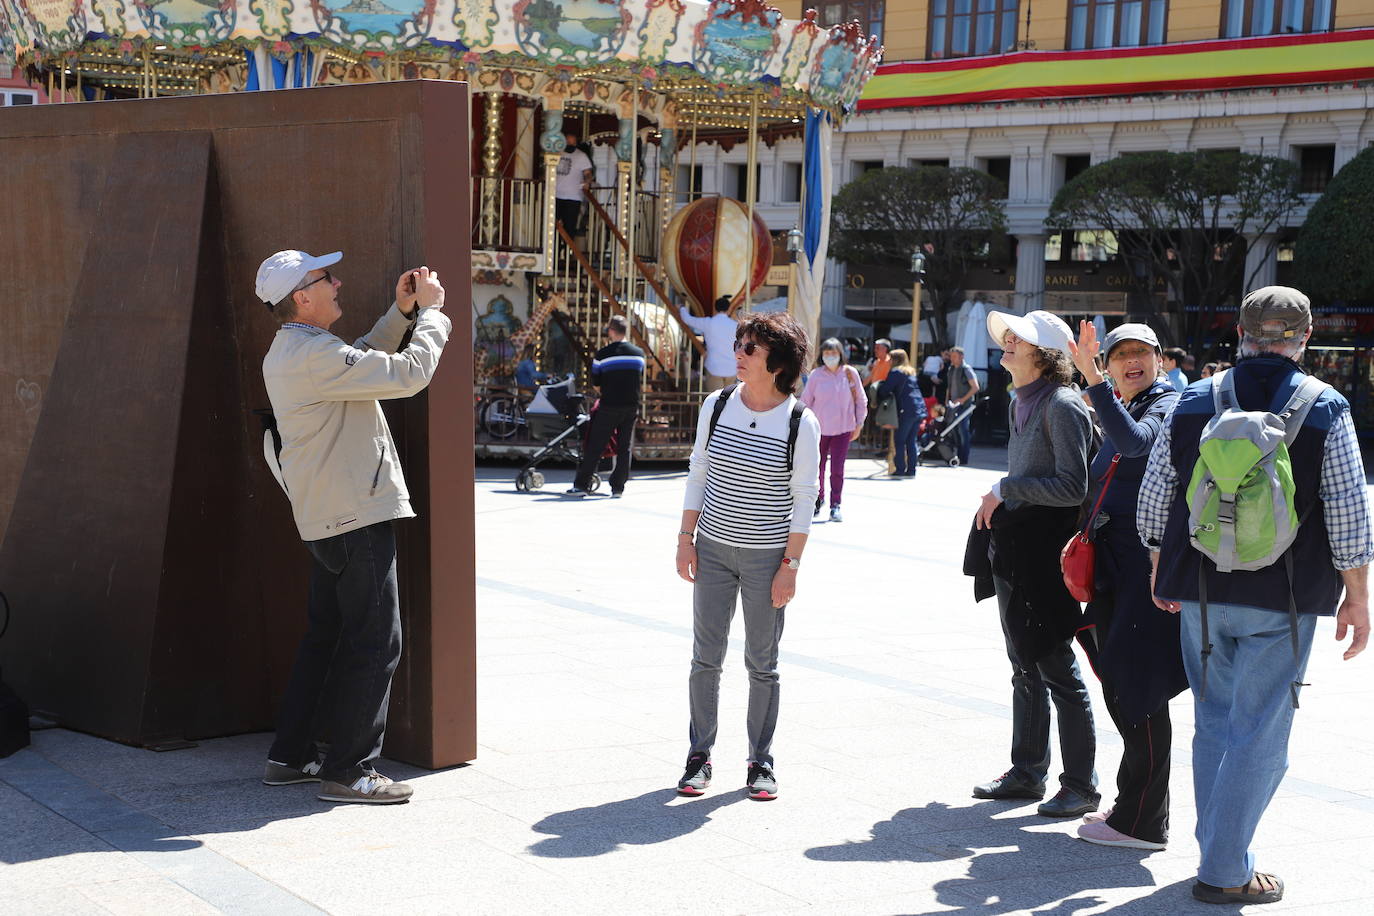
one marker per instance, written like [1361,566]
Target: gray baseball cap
[1275,313]
[1140,332]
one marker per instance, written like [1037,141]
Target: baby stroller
[937,441]
[557,414]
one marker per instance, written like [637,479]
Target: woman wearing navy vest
[1029,515]
[1133,648]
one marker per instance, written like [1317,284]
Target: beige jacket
[338,462]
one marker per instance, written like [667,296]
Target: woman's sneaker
[763,785]
[368,789]
[697,777]
[835,515]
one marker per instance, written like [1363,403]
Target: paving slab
[895,701]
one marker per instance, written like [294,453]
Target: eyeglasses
[327,276]
[748,346]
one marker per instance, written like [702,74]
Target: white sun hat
[284,271]
[1038,327]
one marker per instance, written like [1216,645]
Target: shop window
[1116,23]
[869,13]
[1093,245]
[1240,18]
[1054,247]
[965,28]
[1316,165]
[791,182]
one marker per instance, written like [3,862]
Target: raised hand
[1085,352]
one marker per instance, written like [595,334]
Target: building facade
[1035,95]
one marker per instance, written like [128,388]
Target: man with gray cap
[340,471]
[1247,629]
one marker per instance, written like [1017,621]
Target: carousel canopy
[728,45]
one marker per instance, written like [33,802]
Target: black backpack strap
[719,409]
[793,427]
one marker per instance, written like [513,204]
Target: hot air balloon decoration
[709,251]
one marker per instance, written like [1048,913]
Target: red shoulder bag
[1079,557]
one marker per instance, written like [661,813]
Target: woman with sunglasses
[745,520]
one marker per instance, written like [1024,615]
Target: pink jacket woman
[837,397]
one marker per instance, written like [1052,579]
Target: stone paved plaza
[895,701]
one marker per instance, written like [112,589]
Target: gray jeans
[723,573]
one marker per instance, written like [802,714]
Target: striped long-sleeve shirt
[740,482]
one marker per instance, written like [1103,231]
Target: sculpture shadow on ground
[639,821]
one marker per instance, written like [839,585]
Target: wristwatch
[792,562]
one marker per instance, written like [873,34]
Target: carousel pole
[491,165]
[751,191]
[634,192]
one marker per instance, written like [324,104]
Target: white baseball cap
[1038,327]
[280,274]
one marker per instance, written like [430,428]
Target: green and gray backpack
[1241,513]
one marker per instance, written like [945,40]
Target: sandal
[1262,888]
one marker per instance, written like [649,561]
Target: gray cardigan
[1047,461]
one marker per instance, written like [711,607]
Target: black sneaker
[697,776]
[763,785]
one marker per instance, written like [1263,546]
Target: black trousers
[341,682]
[1142,779]
[569,213]
[1053,677]
[608,421]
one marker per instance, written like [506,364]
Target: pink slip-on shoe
[1102,835]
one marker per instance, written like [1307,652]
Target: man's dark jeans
[606,422]
[341,682]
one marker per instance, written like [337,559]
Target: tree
[1332,257]
[955,215]
[1184,218]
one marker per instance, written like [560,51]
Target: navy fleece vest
[1262,382]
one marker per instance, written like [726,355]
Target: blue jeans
[1240,746]
[341,682]
[907,456]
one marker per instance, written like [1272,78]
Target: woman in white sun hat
[1029,515]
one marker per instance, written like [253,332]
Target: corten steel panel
[379,171]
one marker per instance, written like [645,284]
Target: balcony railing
[508,213]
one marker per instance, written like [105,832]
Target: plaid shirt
[1345,499]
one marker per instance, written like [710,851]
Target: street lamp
[918,267]
[794,250]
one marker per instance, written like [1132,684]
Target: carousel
[645,82]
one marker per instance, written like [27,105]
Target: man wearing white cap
[339,468]
[1031,514]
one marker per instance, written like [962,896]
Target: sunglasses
[749,347]
[327,276]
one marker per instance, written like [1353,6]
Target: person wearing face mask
[1013,552]
[836,395]
[1133,648]
[573,177]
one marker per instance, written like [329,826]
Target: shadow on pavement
[639,821]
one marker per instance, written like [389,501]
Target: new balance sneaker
[279,774]
[763,785]
[369,789]
[697,777]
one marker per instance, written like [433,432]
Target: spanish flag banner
[1243,63]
